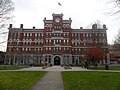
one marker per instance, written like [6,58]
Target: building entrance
[57,60]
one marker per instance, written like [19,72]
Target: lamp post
[106,62]
[34,60]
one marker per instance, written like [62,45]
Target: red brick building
[57,43]
[114,54]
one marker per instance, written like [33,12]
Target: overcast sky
[82,12]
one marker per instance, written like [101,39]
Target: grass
[110,67]
[19,80]
[91,80]
[12,67]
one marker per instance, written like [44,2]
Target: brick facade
[57,43]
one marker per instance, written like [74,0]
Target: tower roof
[57,14]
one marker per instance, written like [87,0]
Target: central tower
[57,37]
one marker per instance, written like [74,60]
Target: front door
[57,60]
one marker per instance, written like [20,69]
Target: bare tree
[117,41]
[6,9]
[117,3]
[97,22]
[116,6]
[96,53]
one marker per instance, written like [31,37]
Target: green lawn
[110,67]
[19,80]
[91,80]
[12,67]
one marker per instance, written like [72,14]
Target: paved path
[58,68]
[51,81]
[53,68]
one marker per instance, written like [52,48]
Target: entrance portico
[57,60]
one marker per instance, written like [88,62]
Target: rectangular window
[35,34]
[38,34]
[34,49]
[95,34]
[84,44]
[79,35]
[60,41]
[99,34]
[84,34]
[49,48]
[14,35]
[27,34]
[87,34]
[64,41]
[46,34]
[18,35]
[30,34]
[90,34]
[10,35]
[46,48]
[67,41]
[24,34]
[60,48]
[57,41]
[75,34]
[51,27]
[22,49]
[54,41]
[64,34]
[72,35]
[42,34]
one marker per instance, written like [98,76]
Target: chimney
[104,26]
[81,27]
[21,25]
[10,26]
[69,18]
[45,18]
[33,27]
[94,26]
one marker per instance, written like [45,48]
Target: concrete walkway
[58,68]
[51,81]
[53,68]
